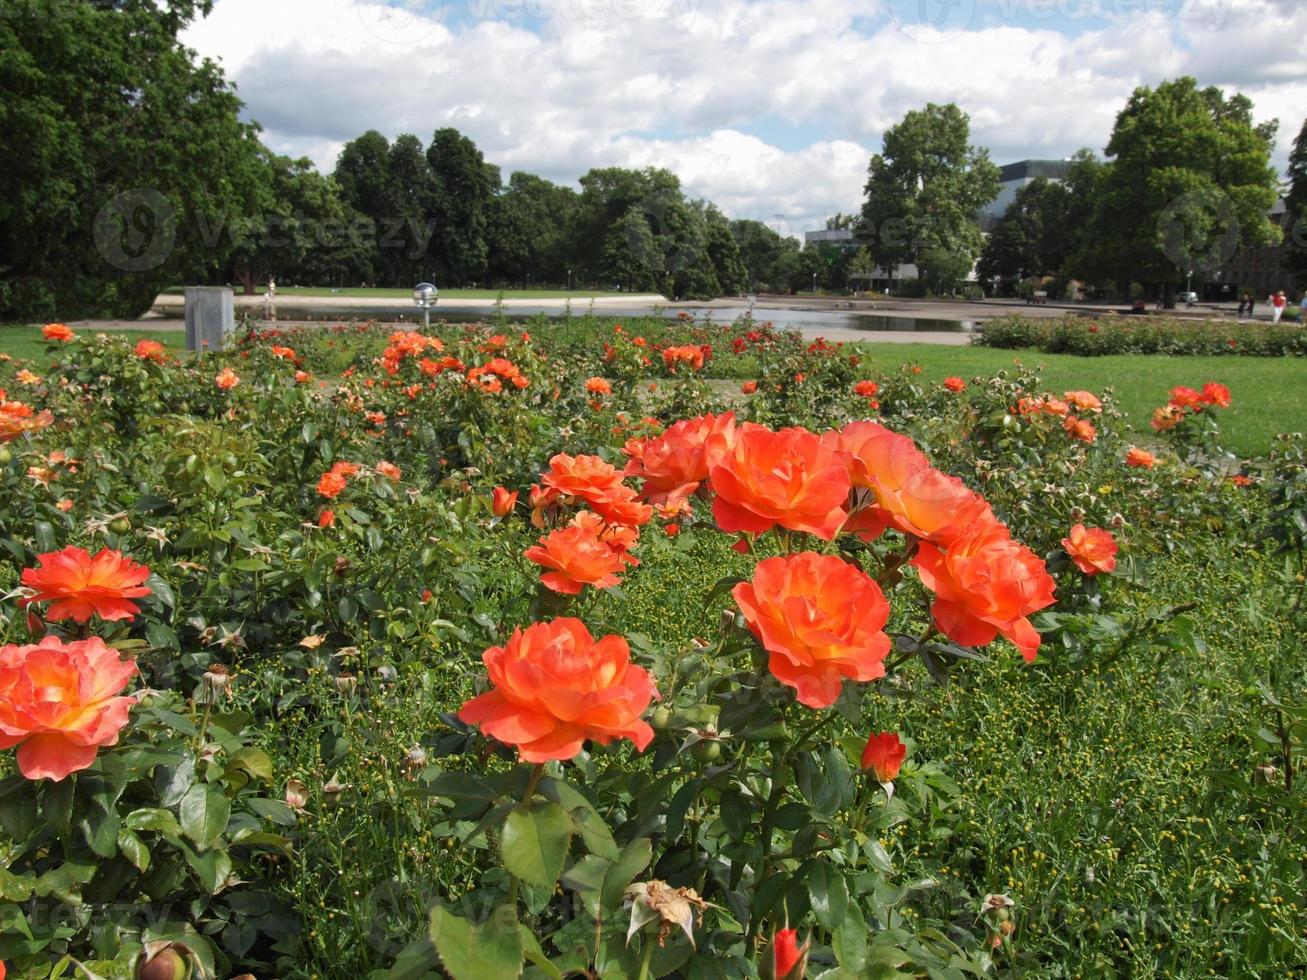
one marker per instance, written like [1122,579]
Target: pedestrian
[1302,310]
[1243,306]
[1277,306]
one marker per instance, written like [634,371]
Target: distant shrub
[1089,337]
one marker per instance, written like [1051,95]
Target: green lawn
[1269,394]
[27,342]
[578,294]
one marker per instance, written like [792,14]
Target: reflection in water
[809,320]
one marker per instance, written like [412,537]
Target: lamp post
[569,280]
[814,284]
[1189,288]
[425,295]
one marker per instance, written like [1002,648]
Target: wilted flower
[216,682]
[657,901]
[297,794]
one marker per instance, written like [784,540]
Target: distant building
[1260,270]
[1014,176]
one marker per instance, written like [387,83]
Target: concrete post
[210,316]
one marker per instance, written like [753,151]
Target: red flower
[788,478]
[503,502]
[598,386]
[555,686]
[1081,429]
[1182,397]
[327,518]
[78,586]
[884,756]
[788,958]
[867,389]
[954,384]
[986,584]
[576,558]
[1092,549]
[676,462]
[1140,458]
[749,387]
[1216,394]
[59,703]
[151,350]
[820,619]
[57,331]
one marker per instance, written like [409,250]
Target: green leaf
[532,951]
[635,857]
[535,842]
[159,821]
[849,940]
[274,810]
[100,828]
[472,952]
[253,761]
[828,892]
[204,814]
[134,850]
[598,838]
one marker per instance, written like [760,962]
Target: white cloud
[764,106]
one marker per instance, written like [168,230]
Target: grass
[1269,394]
[445,293]
[27,343]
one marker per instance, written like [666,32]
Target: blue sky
[766,107]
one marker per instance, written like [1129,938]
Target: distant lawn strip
[491,294]
[28,344]
[1269,394]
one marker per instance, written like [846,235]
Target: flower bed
[1090,336]
[357,652]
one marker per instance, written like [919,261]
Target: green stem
[646,956]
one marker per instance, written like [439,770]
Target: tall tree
[1190,180]
[362,173]
[528,229]
[1296,206]
[464,185]
[1034,237]
[121,156]
[925,188]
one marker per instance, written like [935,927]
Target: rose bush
[367,733]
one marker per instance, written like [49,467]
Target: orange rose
[78,586]
[675,463]
[1166,418]
[866,389]
[58,703]
[587,477]
[1140,457]
[1182,397]
[555,687]
[1084,401]
[227,379]
[17,418]
[151,350]
[1081,429]
[284,353]
[1216,394]
[390,471]
[327,518]
[331,485]
[820,620]
[1092,549]
[884,756]
[577,558]
[598,386]
[749,387]
[788,478]
[954,384]
[986,584]
[57,331]
[673,357]
[502,502]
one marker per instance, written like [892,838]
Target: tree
[1296,205]
[528,230]
[723,252]
[1035,235]
[1189,181]
[769,258]
[362,175]
[301,214]
[925,189]
[464,185]
[123,158]
[942,269]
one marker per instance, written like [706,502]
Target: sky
[769,108]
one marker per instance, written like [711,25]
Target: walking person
[1277,306]
[1244,302]
[1302,310]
